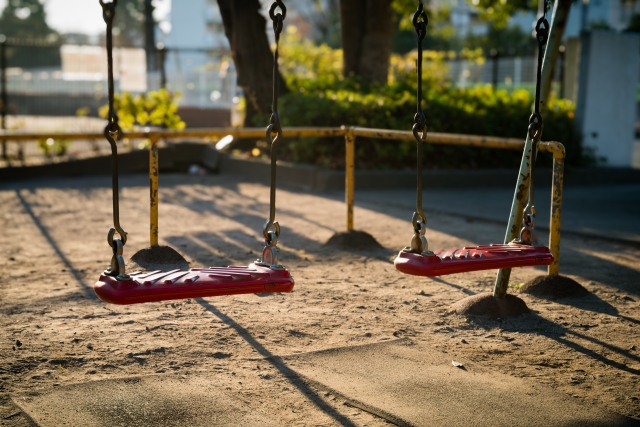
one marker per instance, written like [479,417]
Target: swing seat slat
[473,258]
[195,283]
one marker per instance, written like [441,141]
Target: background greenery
[320,96]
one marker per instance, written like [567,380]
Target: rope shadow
[87,289]
[559,334]
[294,378]
[453,285]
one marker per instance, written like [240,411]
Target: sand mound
[554,287]
[158,258]
[486,305]
[353,239]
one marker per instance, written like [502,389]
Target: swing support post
[153,190]
[519,201]
[520,197]
[350,146]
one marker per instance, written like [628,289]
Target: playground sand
[54,332]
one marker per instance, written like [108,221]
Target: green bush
[153,108]
[320,96]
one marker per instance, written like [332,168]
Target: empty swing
[417,259]
[263,275]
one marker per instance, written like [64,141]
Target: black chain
[113,132]
[527,233]
[274,127]
[535,121]
[419,221]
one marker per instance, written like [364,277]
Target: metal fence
[349,134]
[72,78]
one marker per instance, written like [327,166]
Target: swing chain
[419,242]
[527,233]
[112,133]
[270,251]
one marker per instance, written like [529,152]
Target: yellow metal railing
[350,134]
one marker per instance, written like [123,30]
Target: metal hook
[274,5]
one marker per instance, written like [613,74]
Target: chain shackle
[277,18]
[108,10]
[420,126]
[420,26]
[542,31]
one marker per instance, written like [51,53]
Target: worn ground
[54,332]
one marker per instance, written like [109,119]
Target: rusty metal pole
[153,191]
[350,142]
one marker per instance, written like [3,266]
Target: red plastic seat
[473,258]
[195,283]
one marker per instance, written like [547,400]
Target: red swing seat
[473,258]
[196,283]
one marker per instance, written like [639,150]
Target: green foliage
[499,11]
[320,96]
[51,147]
[26,19]
[153,108]
[476,111]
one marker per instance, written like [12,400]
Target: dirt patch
[353,239]
[554,287]
[486,304]
[342,298]
[158,258]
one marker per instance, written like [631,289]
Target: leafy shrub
[321,96]
[153,108]
[51,147]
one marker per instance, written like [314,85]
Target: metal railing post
[350,143]
[556,204]
[154,171]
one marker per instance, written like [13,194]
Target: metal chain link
[527,233]
[112,133]
[274,132]
[419,242]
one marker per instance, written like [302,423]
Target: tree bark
[558,23]
[367,32]
[245,29]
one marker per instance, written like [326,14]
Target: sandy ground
[55,332]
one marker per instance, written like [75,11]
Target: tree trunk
[245,29]
[558,23]
[367,33]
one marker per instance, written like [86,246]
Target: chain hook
[273,134]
